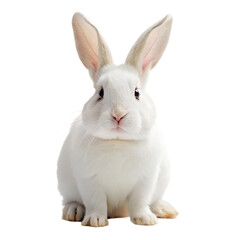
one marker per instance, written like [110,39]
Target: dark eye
[101,94]
[137,93]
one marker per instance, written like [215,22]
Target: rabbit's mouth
[117,129]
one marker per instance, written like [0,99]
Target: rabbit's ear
[150,46]
[91,48]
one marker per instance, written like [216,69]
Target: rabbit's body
[113,162]
[114,166]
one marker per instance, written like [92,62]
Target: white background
[196,88]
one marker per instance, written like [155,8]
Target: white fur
[111,171]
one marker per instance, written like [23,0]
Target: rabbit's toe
[144,219]
[95,221]
[163,209]
[73,212]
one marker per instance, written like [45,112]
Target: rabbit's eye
[101,94]
[137,93]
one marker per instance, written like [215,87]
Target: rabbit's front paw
[94,221]
[144,219]
[73,211]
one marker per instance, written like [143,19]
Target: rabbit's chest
[118,165]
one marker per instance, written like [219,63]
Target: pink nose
[118,119]
[118,114]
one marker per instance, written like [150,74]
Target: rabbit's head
[120,108]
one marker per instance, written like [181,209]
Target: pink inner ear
[145,64]
[94,65]
[149,49]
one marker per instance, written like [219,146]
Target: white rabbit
[113,163]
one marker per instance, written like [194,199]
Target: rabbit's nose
[119,113]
